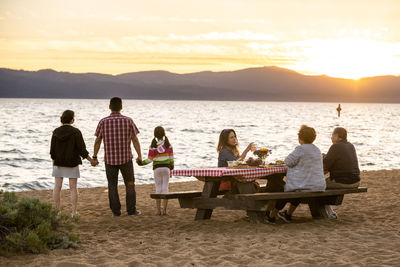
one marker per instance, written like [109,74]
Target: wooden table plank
[287,195]
[186,194]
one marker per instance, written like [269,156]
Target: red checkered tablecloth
[247,175]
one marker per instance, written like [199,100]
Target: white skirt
[67,172]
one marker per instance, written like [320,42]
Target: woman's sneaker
[285,216]
[270,220]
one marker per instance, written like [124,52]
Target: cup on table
[253,147]
[233,163]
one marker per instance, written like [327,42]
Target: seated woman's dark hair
[307,134]
[159,133]
[115,104]
[341,132]
[223,142]
[67,116]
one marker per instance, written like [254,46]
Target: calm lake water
[193,128]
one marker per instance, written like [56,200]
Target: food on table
[278,162]
[254,162]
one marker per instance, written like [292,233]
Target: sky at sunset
[349,39]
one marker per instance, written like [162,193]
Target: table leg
[317,209]
[210,190]
[249,188]
[275,182]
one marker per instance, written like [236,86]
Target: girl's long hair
[223,142]
[159,133]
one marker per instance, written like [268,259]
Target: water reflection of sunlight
[194,135]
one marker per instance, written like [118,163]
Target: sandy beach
[367,233]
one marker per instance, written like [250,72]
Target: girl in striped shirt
[162,156]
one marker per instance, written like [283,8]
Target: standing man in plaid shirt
[117,132]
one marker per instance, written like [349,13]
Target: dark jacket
[342,163]
[67,146]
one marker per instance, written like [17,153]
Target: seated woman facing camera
[305,173]
[228,149]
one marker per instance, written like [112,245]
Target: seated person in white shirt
[305,173]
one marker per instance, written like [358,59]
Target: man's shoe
[285,216]
[270,220]
[136,213]
[330,212]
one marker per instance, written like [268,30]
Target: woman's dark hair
[159,133]
[67,116]
[223,142]
[341,132]
[115,104]
[307,134]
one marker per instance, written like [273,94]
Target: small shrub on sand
[31,225]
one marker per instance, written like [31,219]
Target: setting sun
[199,133]
[349,58]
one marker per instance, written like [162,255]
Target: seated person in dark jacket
[341,162]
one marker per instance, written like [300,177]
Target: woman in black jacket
[67,148]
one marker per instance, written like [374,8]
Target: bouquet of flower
[262,153]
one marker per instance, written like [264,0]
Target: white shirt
[305,172]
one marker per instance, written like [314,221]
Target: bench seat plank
[288,195]
[186,194]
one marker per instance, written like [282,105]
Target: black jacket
[342,163]
[67,146]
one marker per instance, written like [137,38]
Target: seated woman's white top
[305,172]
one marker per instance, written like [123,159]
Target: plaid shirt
[117,131]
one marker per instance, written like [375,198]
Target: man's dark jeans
[129,180]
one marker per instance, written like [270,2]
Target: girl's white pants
[161,177]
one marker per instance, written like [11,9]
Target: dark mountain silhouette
[261,84]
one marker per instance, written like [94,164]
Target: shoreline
[150,183]
[366,232]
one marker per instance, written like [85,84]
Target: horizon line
[233,70]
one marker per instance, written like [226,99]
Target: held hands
[94,162]
[139,161]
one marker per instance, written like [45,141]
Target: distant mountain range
[257,84]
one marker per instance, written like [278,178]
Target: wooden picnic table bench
[171,195]
[255,204]
[315,200]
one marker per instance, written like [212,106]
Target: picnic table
[254,202]
[207,200]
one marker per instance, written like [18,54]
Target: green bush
[31,225]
